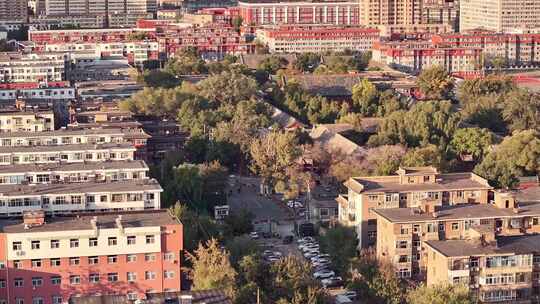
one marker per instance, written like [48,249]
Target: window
[37,282]
[132,296]
[112,277]
[73,243]
[430,227]
[111,259]
[92,242]
[168,256]
[168,274]
[55,244]
[131,276]
[55,262]
[93,260]
[93,278]
[17,246]
[18,282]
[455,226]
[56,299]
[131,240]
[535,221]
[112,241]
[35,245]
[2,283]
[404,230]
[36,263]
[150,239]
[74,261]
[416,228]
[17,264]
[441,226]
[148,257]
[19,301]
[149,275]
[404,259]
[401,244]
[131,258]
[37,300]
[56,280]
[75,280]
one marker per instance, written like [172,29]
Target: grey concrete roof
[139,185]
[79,167]
[147,218]
[59,148]
[522,244]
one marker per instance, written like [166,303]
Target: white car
[254,235]
[324,274]
[294,204]
[306,239]
[310,248]
[350,294]
[306,245]
[332,282]
[320,261]
[318,265]
[310,254]
[320,256]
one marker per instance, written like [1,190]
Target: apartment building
[50,260]
[410,187]
[89,196]
[34,90]
[413,56]
[409,16]
[26,121]
[499,15]
[53,173]
[108,35]
[32,67]
[296,39]
[403,232]
[13,10]
[299,12]
[496,269]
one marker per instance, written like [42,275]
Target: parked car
[309,254]
[324,274]
[305,240]
[288,239]
[254,235]
[267,235]
[308,246]
[320,261]
[320,256]
[321,268]
[267,253]
[326,264]
[272,258]
[350,294]
[332,282]
[341,299]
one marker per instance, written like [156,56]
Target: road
[248,197]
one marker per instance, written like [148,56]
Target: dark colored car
[288,239]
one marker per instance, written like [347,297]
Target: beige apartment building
[403,232]
[402,16]
[411,187]
[499,15]
[495,269]
[20,121]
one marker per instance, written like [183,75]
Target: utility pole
[258,296]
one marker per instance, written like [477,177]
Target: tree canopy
[440,294]
[435,83]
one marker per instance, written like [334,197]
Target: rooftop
[60,148]
[521,244]
[79,167]
[130,219]
[62,132]
[456,212]
[139,185]
[198,297]
[445,182]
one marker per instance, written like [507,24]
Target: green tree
[212,268]
[521,110]
[435,83]
[186,62]
[159,78]
[272,154]
[517,155]
[384,160]
[365,97]
[432,122]
[475,142]
[228,88]
[440,294]
[492,85]
[273,63]
[354,119]
[197,228]
[238,223]
[240,247]
[429,155]
[320,110]
[293,283]
[307,62]
[340,243]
